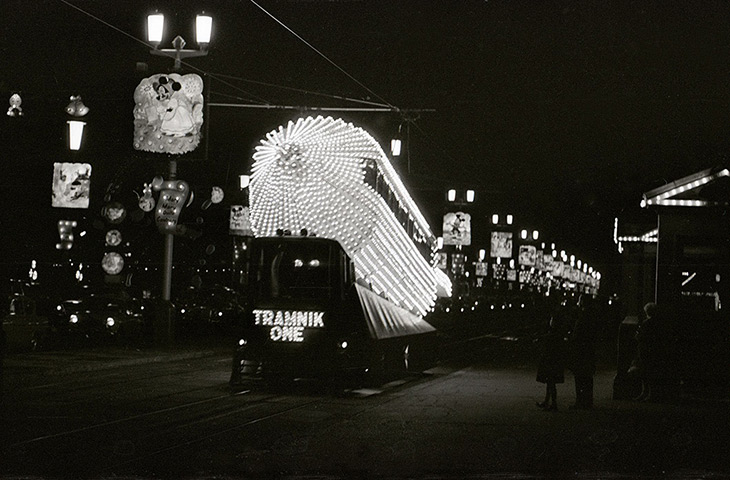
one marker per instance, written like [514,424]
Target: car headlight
[110,321]
[73,318]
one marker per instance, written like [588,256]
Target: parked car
[103,318]
[214,310]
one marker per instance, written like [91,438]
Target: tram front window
[293,270]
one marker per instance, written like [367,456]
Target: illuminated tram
[341,267]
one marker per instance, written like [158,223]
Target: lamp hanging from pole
[395,144]
[76,109]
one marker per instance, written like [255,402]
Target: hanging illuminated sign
[288,325]
[457,229]
[527,255]
[501,245]
[168,113]
[71,185]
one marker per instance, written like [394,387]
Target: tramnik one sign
[289,325]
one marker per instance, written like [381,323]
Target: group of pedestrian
[569,343]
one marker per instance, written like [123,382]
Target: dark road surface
[169,413]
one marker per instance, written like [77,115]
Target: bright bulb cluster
[311,175]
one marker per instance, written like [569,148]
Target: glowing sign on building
[289,325]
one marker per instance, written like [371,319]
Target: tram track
[151,435]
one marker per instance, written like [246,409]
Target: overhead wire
[324,56]
[146,44]
[258,101]
[300,90]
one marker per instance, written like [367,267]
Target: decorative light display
[168,113]
[324,175]
[216,195]
[663,195]
[113,238]
[146,202]
[15,110]
[76,107]
[173,195]
[114,213]
[112,263]
[66,235]
[71,185]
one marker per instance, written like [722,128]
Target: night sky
[561,113]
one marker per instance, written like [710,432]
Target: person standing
[551,368]
[649,356]
[583,352]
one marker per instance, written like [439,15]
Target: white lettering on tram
[289,325]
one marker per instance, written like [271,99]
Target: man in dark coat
[583,352]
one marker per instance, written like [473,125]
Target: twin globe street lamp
[203,31]
[155,33]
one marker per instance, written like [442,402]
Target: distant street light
[203,32]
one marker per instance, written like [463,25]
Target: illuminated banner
[239,221]
[457,229]
[288,326]
[71,185]
[527,255]
[168,113]
[547,262]
[173,195]
[558,269]
[481,269]
[501,245]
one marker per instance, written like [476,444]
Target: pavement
[487,393]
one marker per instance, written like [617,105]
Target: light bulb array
[311,174]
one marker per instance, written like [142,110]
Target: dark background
[561,113]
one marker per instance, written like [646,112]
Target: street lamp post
[155,30]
